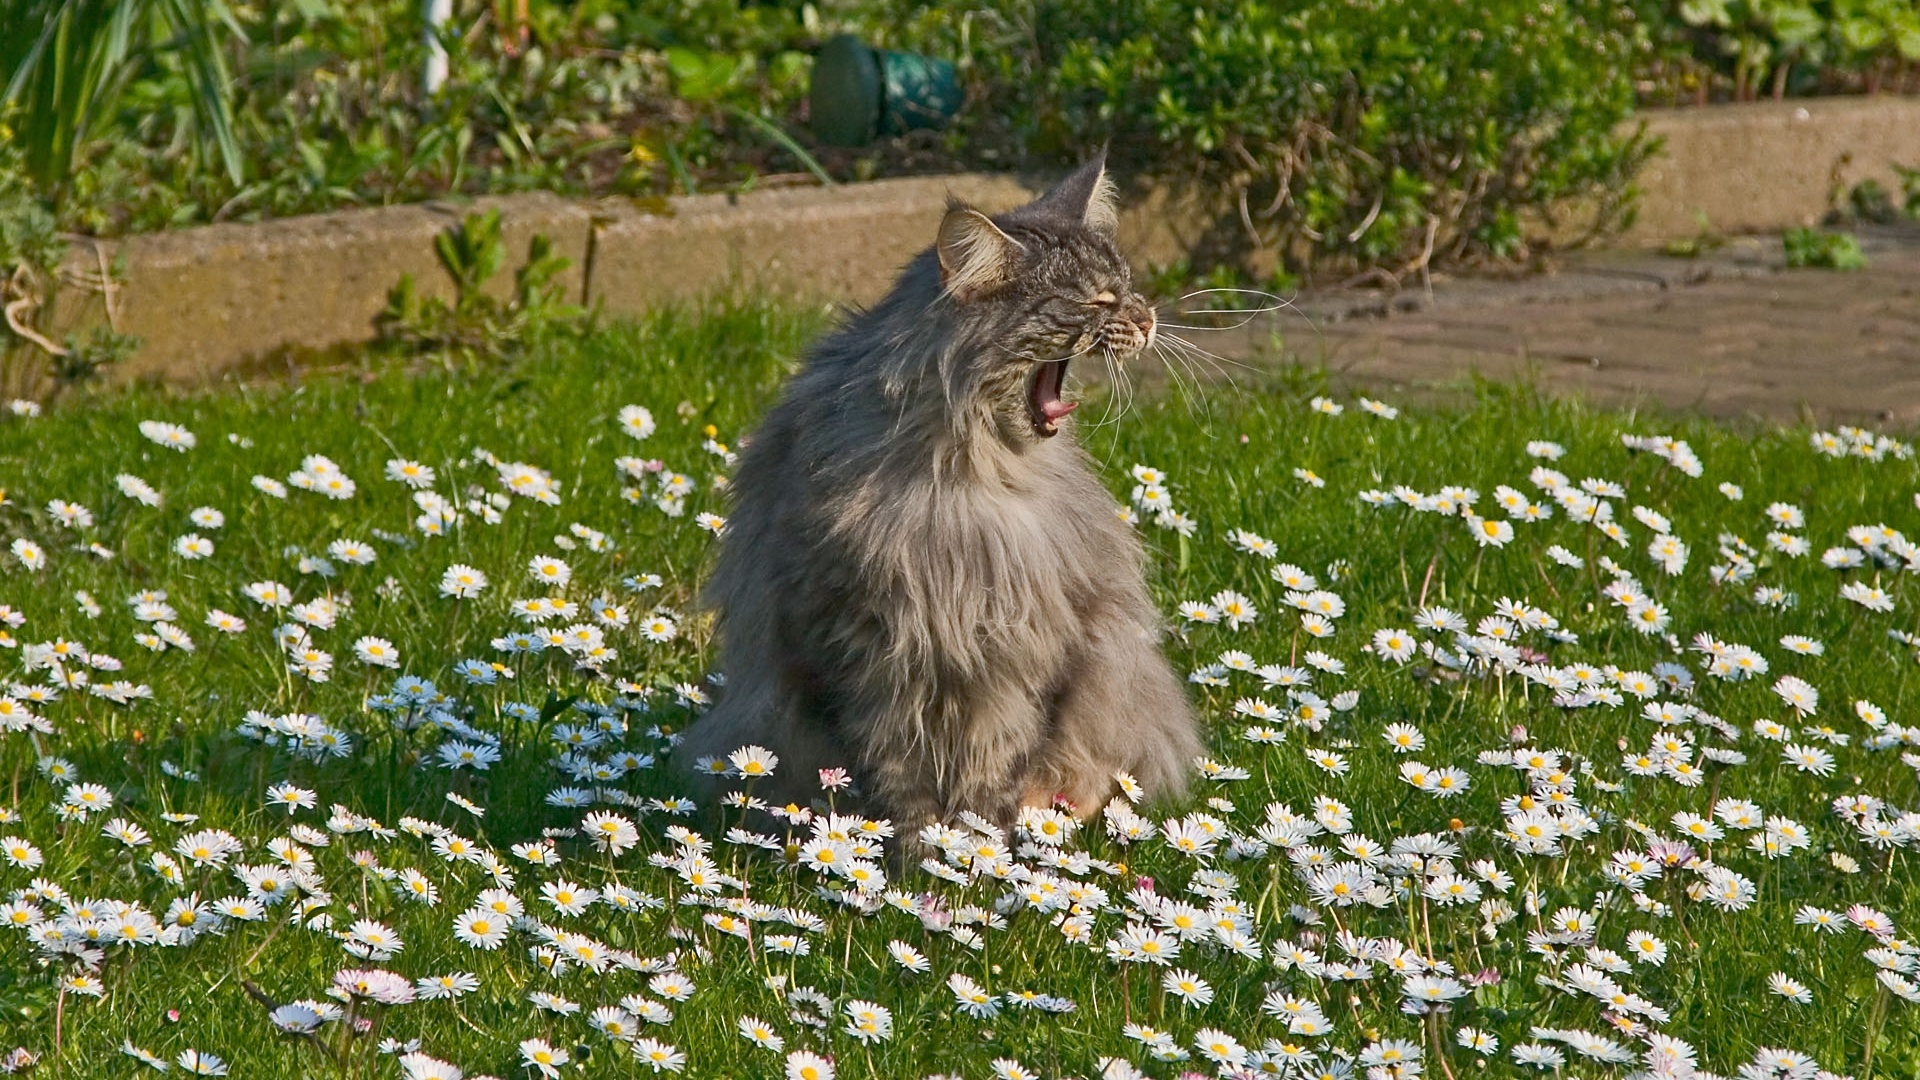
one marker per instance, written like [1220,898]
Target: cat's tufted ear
[1086,195]
[976,258]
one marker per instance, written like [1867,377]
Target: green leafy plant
[1757,37]
[476,324]
[1828,250]
[1330,136]
[1872,34]
[1909,191]
[591,97]
[67,66]
[83,359]
[1705,238]
[1769,43]
[1868,200]
[1383,133]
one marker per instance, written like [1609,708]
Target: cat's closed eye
[1103,298]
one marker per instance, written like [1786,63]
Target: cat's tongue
[1048,407]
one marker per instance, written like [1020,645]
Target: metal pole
[438,14]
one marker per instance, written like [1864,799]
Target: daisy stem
[1533,887]
[1680,910]
[462,1015]
[846,952]
[1273,883]
[275,932]
[1544,576]
[1875,1018]
[376,1022]
[1439,1049]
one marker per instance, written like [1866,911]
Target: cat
[921,579]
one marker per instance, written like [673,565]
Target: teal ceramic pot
[860,93]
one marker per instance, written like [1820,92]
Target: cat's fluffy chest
[987,574]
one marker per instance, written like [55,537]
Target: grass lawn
[1597,772]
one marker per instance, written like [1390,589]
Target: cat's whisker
[1202,365]
[1168,357]
[1214,357]
[1194,372]
[1197,362]
[1122,383]
[1237,292]
[1107,415]
[1246,315]
[1108,398]
[1238,317]
[1125,378]
[1250,312]
[1119,398]
[1237,311]
[1190,326]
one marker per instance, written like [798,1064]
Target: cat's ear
[975,256]
[1087,195]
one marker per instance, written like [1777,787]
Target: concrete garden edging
[1769,166]
[207,300]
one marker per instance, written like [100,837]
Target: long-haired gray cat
[922,580]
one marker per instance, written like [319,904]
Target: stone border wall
[206,300]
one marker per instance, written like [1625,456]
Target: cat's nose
[1146,322]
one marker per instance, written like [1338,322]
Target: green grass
[1230,462]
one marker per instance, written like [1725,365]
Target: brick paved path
[1732,335]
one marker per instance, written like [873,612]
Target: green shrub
[1776,43]
[1352,132]
[66,65]
[1828,250]
[476,325]
[1366,133]
[327,107]
[1909,191]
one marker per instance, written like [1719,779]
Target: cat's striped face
[1046,286]
[1073,300]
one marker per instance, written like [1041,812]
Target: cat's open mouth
[1044,405]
